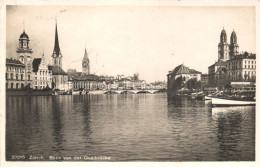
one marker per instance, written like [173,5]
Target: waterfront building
[85,80]
[231,66]
[217,72]
[24,53]
[59,77]
[185,74]
[42,77]
[242,67]
[15,74]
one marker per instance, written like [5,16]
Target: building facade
[242,67]
[42,77]
[15,74]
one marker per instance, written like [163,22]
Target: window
[248,66]
[29,77]
[17,85]
[22,85]
[12,76]
[21,76]
[245,66]
[16,76]
[12,85]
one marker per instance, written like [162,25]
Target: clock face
[28,58]
[85,64]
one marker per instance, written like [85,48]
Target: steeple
[85,55]
[223,47]
[56,43]
[85,64]
[56,55]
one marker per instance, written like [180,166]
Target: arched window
[21,76]
[16,76]
[12,85]
[55,61]
[22,85]
[17,85]
[12,76]
[29,77]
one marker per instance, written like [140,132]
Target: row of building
[28,72]
[232,67]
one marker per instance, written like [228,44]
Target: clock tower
[56,55]
[24,53]
[85,64]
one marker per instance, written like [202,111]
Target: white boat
[221,102]
[75,92]
[207,98]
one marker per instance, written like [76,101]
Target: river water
[127,127]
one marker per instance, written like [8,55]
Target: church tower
[24,53]
[233,47]
[56,55]
[85,64]
[223,47]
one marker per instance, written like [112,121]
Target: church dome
[223,36]
[24,35]
[233,33]
[223,32]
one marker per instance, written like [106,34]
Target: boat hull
[218,102]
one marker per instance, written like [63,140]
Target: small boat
[207,98]
[223,102]
[75,92]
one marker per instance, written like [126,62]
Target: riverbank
[28,93]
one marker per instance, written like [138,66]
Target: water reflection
[128,127]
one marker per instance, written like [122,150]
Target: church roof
[181,69]
[14,62]
[24,35]
[233,33]
[220,63]
[85,55]
[56,70]
[56,49]
[36,62]
[192,71]
[223,32]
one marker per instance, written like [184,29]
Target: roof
[220,63]
[56,70]
[233,33]
[90,77]
[14,62]
[181,69]
[192,71]
[223,32]
[56,49]
[24,35]
[36,63]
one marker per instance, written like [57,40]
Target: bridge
[123,91]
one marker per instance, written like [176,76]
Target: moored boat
[224,102]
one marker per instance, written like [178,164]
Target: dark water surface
[127,127]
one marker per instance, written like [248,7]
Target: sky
[148,40]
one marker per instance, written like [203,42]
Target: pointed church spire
[85,55]
[56,43]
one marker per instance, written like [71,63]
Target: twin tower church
[35,72]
